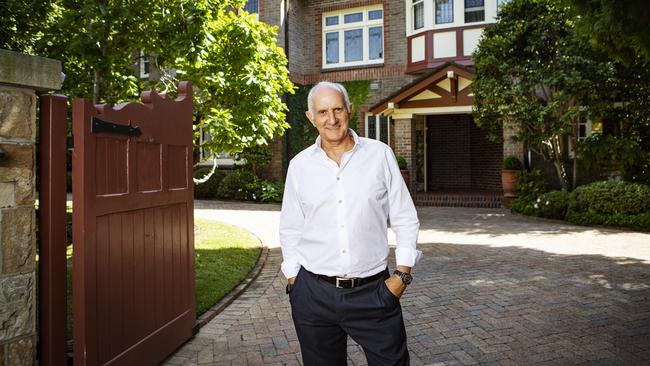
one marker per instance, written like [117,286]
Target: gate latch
[101,126]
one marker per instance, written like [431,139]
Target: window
[353,37]
[377,128]
[444,11]
[474,11]
[252,6]
[418,14]
[145,65]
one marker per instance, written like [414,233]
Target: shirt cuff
[407,257]
[290,269]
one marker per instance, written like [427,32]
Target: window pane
[353,45]
[376,40]
[444,11]
[383,129]
[474,16]
[418,15]
[375,14]
[474,11]
[332,20]
[251,6]
[372,128]
[332,47]
[351,18]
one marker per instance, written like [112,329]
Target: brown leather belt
[342,282]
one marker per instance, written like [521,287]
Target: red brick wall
[486,161]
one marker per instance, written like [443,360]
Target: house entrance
[460,158]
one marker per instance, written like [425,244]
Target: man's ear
[310,117]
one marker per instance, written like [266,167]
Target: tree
[533,73]
[619,27]
[240,73]
[21,23]
[96,40]
[231,58]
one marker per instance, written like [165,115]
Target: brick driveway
[493,288]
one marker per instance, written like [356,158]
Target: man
[339,194]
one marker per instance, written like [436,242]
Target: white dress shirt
[334,218]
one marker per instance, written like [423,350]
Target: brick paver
[493,288]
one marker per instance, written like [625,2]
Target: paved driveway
[493,288]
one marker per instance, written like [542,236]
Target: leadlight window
[418,14]
[353,37]
[444,11]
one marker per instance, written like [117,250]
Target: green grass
[224,256]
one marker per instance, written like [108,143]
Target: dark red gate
[133,262]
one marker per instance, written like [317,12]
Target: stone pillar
[405,146]
[20,77]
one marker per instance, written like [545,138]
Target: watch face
[407,278]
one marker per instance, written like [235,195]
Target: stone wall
[20,77]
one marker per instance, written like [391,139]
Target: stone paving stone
[483,303]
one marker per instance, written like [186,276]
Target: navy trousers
[325,315]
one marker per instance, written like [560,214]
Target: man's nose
[331,117]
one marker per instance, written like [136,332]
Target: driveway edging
[234,293]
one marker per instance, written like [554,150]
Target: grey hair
[334,86]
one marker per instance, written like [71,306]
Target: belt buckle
[340,279]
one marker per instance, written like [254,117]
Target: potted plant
[401,163]
[511,166]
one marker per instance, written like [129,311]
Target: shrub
[639,222]
[552,205]
[523,205]
[531,184]
[401,162]
[610,197]
[269,191]
[239,185]
[511,163]
[207,189]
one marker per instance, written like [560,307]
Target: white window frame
[143,60]
[341,27]
[377,127]
[415,3]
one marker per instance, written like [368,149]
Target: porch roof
[443,90]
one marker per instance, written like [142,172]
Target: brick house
[417,55]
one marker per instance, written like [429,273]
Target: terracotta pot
[405,175]
[509,182]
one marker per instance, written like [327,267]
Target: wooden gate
[133,262]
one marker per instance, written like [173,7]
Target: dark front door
[133,262]
[459,155]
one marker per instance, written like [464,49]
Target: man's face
[330,115]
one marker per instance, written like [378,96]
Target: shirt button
[344,251]
[342,226]
[340,201]
[338,178]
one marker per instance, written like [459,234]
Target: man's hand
[395,284]
[292,280]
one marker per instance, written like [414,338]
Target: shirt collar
[355,137]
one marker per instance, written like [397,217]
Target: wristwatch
[406,277]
